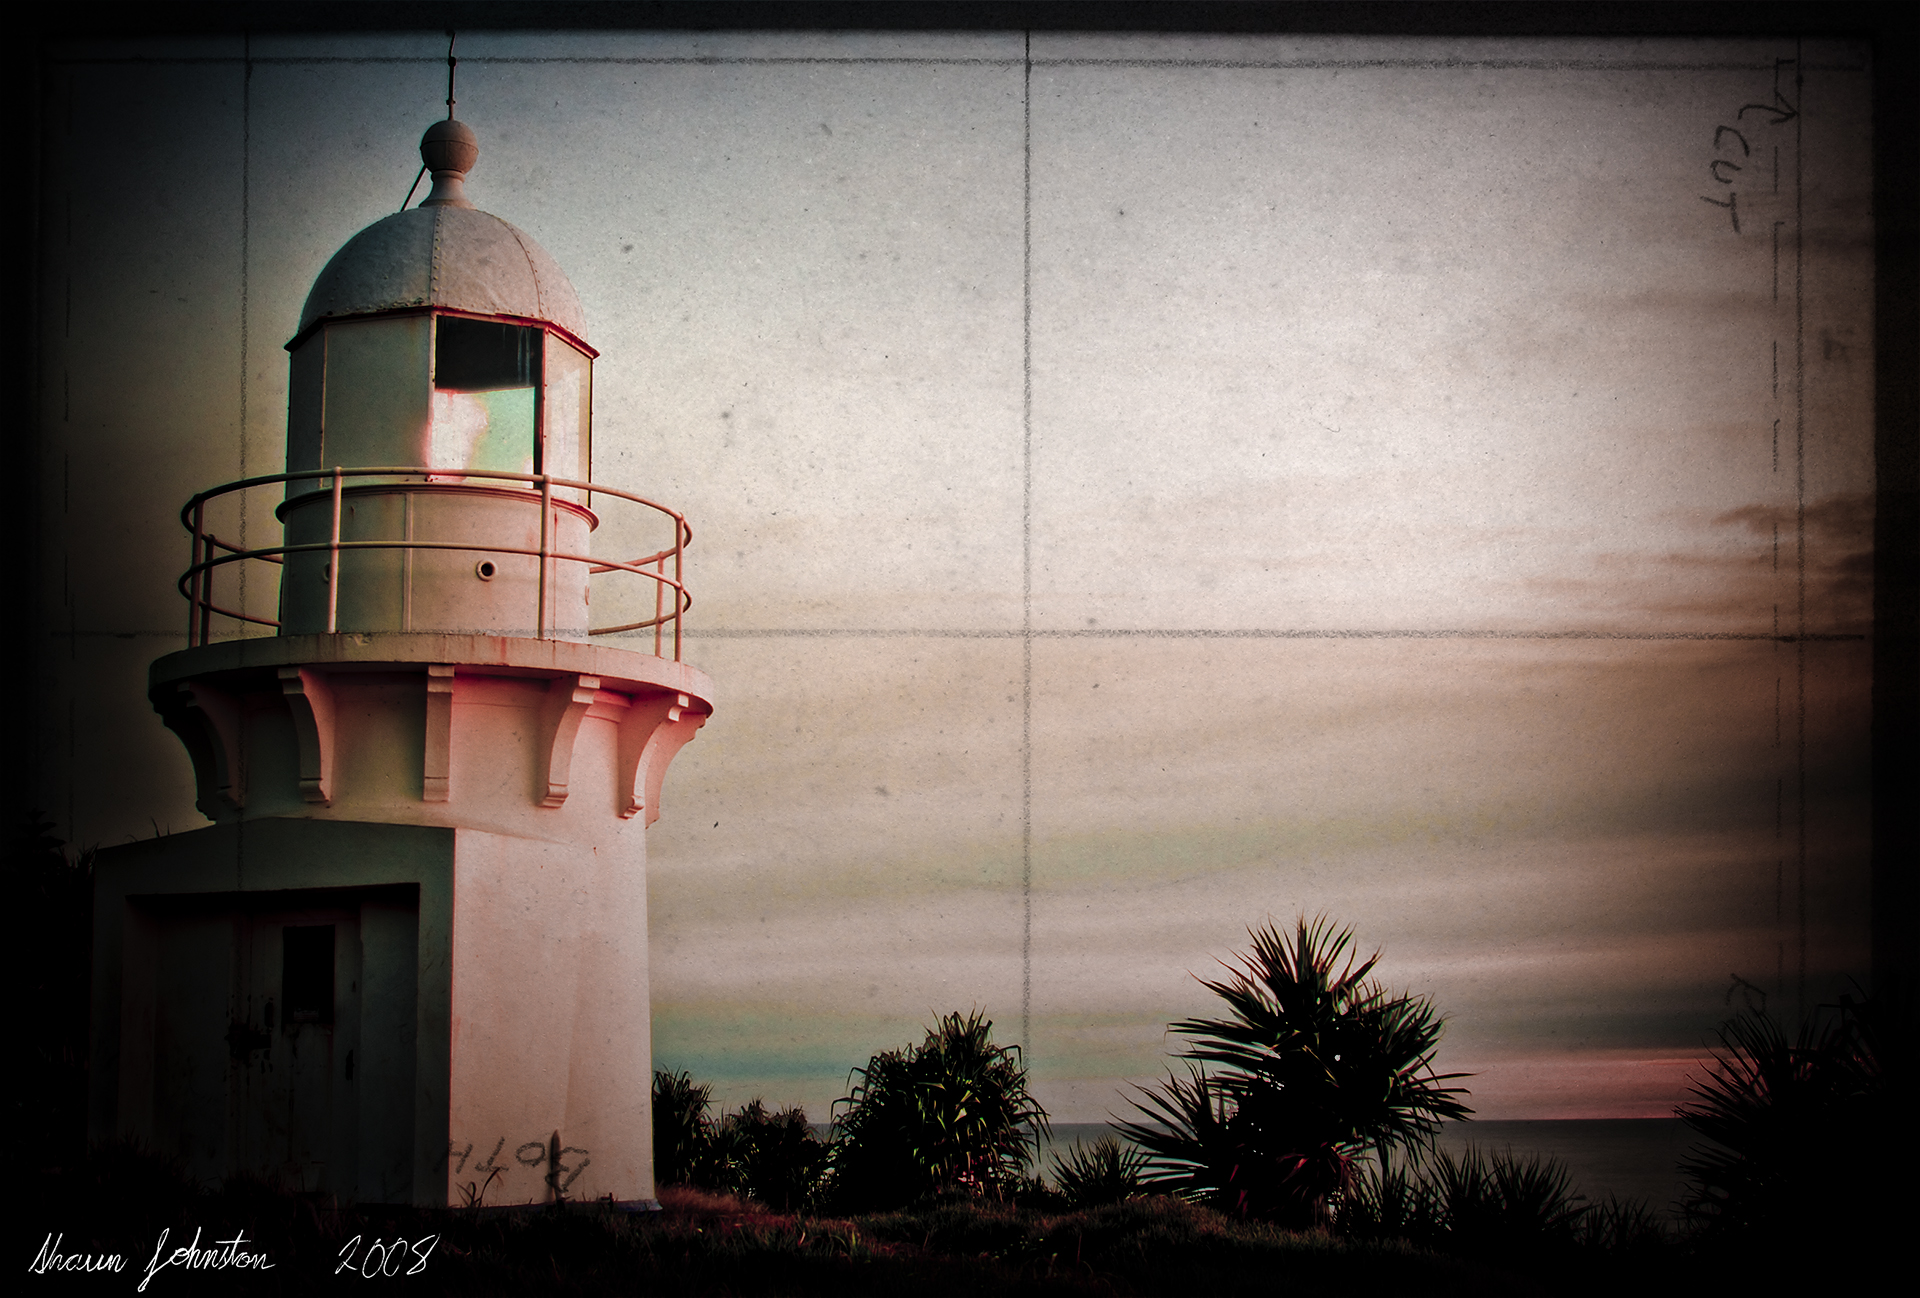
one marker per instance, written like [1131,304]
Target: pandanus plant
[1102,1172]
[1316,1065]
[950,1114]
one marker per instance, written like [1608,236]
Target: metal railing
[211,553]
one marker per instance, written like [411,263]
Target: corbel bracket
[310,699]
[207,720]
[652,733]
[568,698]
[436,767]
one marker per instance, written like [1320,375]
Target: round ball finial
[449,148]
[450,145]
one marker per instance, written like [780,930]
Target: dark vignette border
[134,18]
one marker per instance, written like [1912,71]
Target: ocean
[1628,1158]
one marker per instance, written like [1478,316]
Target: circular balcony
[409,549]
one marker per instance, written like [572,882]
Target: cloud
[1838,530]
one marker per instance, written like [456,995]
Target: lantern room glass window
[486,383]
[567,415]
[454,393]
[376,399]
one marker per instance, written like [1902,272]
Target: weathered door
[294,1040]
[273,1035]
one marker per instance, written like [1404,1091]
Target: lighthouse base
[409,962]
[388,1013]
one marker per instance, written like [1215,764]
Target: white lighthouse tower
[408,960]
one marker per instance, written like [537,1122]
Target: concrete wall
[550,1032]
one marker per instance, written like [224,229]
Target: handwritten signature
[225,1255]
[50,1258]
[380,1258]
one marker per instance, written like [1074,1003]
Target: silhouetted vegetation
[1096,1174]
[1299,1147]
[1317,1065]
[707,1243]
[1811,1135]
[772,1157]
[53,954]
[1496,1205]
[1504,1205]
[682,1131]
[951,1114]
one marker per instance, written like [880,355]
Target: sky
[1142,487]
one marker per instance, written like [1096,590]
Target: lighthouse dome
[445,256]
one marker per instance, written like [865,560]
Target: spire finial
[449,149]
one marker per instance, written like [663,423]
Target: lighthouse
[407,960]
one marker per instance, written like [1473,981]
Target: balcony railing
[210,552]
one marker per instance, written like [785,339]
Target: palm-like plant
[1316,1064]
[1103,1172]
[1191,1152]
[772,1157]
[682,1131]
[1506,1204]
[1798,1125]
[951,1113]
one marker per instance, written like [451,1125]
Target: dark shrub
[774,1158]
[1103,1172]
[1504,1205]
[1390,1201]
[682,1131]
[952,1113]
[1624,1228]
[54,962]
[1803,1131]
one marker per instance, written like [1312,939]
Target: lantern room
[444,346]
